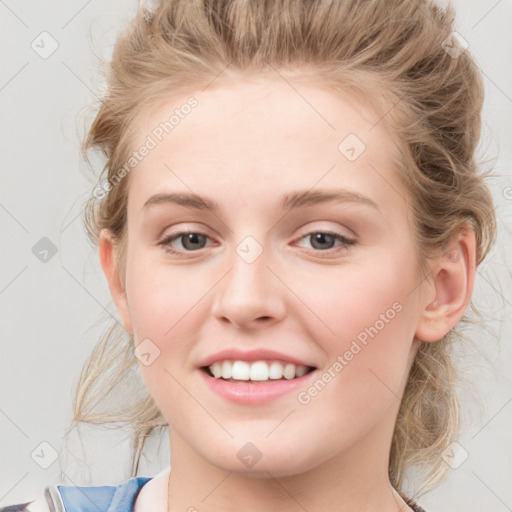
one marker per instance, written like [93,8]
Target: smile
[256,382]
[258,371]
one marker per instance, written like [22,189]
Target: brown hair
[394,54]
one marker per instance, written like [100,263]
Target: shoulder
[71,498]
[153,496]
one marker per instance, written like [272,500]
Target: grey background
[53,312]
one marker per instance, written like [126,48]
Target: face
[331,284]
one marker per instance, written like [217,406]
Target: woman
[290,222]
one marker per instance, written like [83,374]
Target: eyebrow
[292,200]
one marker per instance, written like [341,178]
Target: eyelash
[338,236]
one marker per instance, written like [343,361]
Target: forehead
[261,130]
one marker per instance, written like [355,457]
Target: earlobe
[453,279]
[106,249]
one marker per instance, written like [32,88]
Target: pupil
[192,237]
[321,237]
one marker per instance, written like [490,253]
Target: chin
[281,469]
[262,460]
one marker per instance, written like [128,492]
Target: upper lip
[260,354]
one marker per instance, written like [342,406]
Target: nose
[250,295]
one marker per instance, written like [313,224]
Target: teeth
[226,370]
[289,371]
[257,370]
[239,371]
[216,369]
[300,371]
[276,370]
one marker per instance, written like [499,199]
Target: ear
[453,280]
[117,290]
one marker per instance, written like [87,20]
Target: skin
[247,143]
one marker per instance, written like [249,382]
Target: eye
[190,240]
[323,240]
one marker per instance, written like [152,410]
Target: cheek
[168,306]
[366,329]
[161,297]
[349,298]
[166,318]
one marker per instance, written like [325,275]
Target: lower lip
[245,392]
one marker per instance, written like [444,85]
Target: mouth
[255,372]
